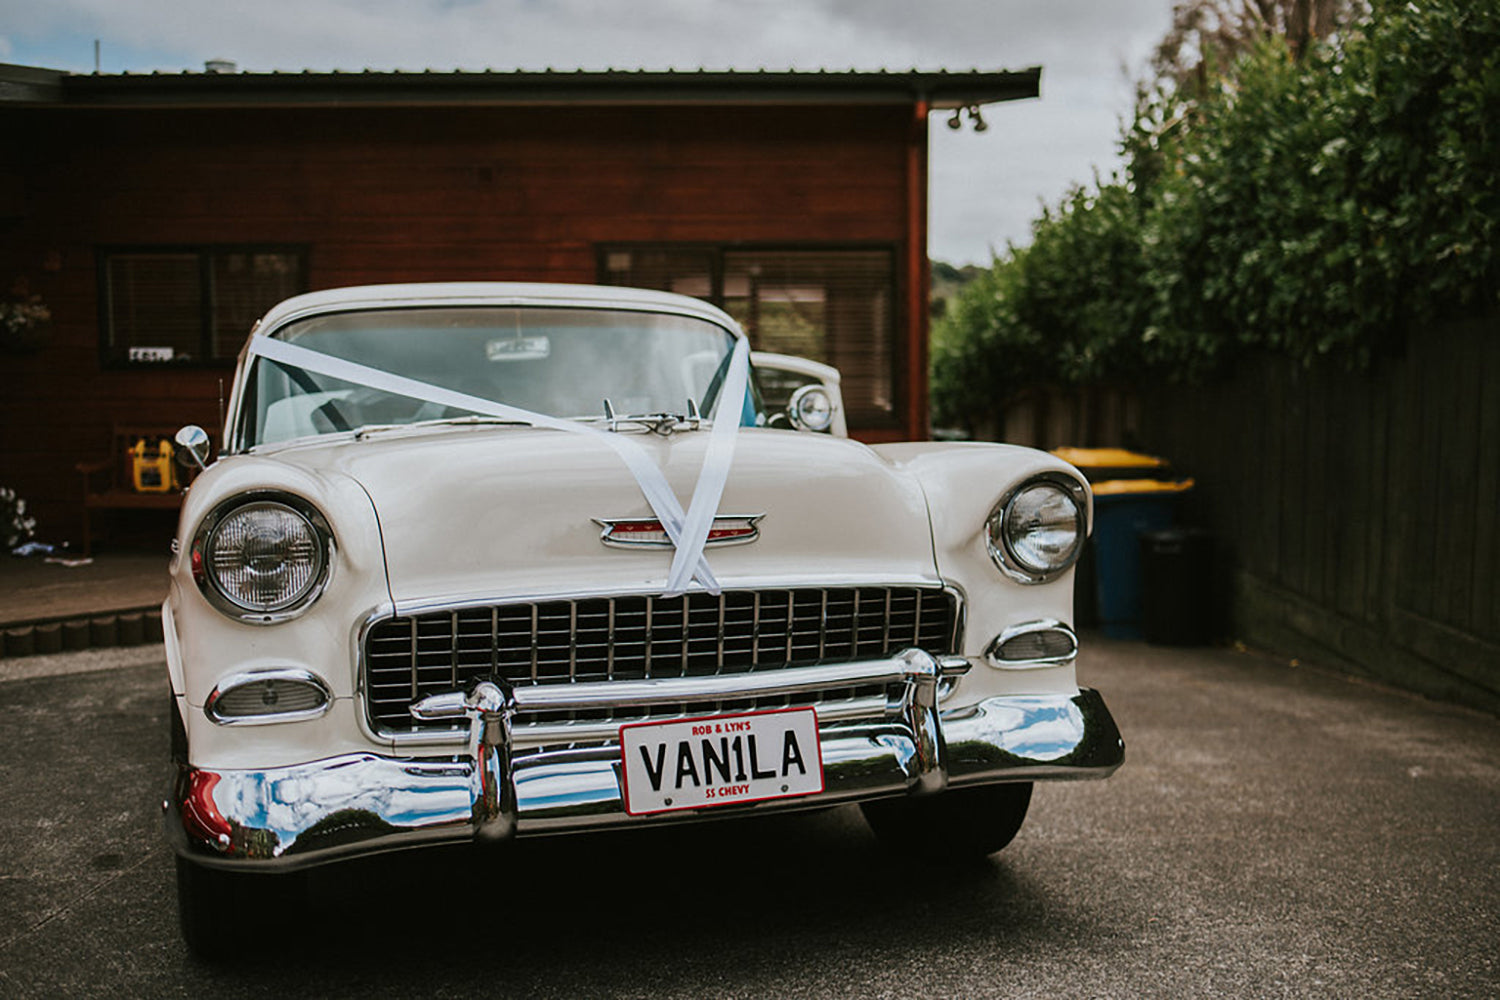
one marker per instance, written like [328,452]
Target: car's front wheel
[221,911]
[957,825]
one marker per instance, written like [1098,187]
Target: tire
[956,826]
[223,913]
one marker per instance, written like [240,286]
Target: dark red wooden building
[156,216]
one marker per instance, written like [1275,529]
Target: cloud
[743,34]
[984,187]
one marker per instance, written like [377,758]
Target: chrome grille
[638,637]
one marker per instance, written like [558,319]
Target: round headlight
[811,408]
[262,558]
[1037,531]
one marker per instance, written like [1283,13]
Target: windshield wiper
[656,423]
[472,419]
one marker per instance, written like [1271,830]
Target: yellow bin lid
[1122,487]
[1108,458]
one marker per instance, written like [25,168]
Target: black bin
[1177,583]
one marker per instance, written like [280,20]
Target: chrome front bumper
[356,804]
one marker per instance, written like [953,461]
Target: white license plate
[720,760]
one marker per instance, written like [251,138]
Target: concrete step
[128,627]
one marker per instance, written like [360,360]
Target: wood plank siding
[377,194]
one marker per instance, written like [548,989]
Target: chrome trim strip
[791,614]
[992,651]
[886,634]
[279,818]
[823,621]
[539,734]
[238,680]
[365,623]
[414,642]
[495,637]
[453,649]
[405,609]
[717,687]
[534,627]
[755,632]
[961,621]
[650,627]
[719,648]
[573,640]
[953,666]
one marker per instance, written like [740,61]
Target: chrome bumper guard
[306,814]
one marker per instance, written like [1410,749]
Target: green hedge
[1322,208]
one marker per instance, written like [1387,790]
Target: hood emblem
[647,532]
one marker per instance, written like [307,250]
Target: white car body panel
[449,516]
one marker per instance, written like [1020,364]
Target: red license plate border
[696,719]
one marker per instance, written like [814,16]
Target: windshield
[562,362]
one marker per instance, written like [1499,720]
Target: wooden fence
[1356,514]
[1052,417]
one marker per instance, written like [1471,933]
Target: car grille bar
[641,638]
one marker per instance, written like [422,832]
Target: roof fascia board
[941,90]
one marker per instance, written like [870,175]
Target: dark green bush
[1321,208]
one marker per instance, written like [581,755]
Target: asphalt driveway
[1275,832]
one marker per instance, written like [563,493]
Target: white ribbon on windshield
[688,531]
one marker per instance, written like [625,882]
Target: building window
[190,305]
[836,306]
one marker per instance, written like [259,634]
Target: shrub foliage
[1321,207]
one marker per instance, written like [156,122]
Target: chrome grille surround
[552,641]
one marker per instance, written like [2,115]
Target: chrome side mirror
[193,447]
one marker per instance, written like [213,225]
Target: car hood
[477,513]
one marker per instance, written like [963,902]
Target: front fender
[962,482]
[204,644]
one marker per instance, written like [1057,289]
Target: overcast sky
[986,187]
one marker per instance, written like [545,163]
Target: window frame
[902,355]
[115,357]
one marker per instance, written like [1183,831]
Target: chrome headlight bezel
[217,595]
[997,538]
[811,409]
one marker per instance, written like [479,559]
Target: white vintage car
[483,561]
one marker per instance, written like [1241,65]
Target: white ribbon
[688,532]
[717,458]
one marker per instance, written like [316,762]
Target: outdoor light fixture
[956,120]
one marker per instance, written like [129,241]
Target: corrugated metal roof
[941,88]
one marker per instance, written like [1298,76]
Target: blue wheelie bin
[1130,499]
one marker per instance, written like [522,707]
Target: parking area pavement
[1275,831]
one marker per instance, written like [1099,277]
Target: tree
[1207,36]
